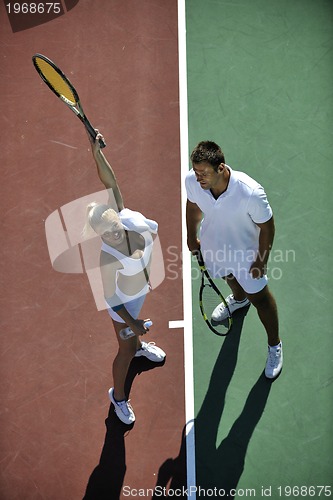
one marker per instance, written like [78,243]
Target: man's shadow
[106,480]
[219,466]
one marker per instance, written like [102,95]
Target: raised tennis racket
[62,87]
[210,301]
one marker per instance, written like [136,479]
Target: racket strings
[212,302]
[53,78]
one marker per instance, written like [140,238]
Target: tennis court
[255,77]
[259,84]
[59,434]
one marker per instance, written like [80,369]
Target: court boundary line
[187,281]
[176,324]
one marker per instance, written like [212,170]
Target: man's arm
[193,219]
[266,238]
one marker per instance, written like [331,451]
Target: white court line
[187,284]
[177,324]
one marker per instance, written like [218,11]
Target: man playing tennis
[236,236]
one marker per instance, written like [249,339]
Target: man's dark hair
[208,151]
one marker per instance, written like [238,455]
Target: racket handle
[199,256]
[102,143]
[126,333]
[93,134]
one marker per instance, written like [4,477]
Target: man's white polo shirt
[229,235]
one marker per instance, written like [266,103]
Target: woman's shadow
[106,480]
[219,466]
[216,466]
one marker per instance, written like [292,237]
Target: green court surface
[260,76]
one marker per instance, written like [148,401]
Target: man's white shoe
[221,312]
[150,351]
[274,361]
[123,409]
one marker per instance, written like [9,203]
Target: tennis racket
[211,298]
[62,87]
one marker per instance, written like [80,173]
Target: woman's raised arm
[106,174]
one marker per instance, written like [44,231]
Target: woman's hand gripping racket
[211,300]
[62,87]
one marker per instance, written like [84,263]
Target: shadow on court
[216,467]
[106,480]
[172,474]
[220,467]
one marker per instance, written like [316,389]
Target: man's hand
[258,269]
[193,246]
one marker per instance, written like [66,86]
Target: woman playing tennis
[127,242]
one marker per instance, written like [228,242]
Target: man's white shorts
[250,285]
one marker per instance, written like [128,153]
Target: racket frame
[77,109]
[205,274]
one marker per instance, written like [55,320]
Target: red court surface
[56,347]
